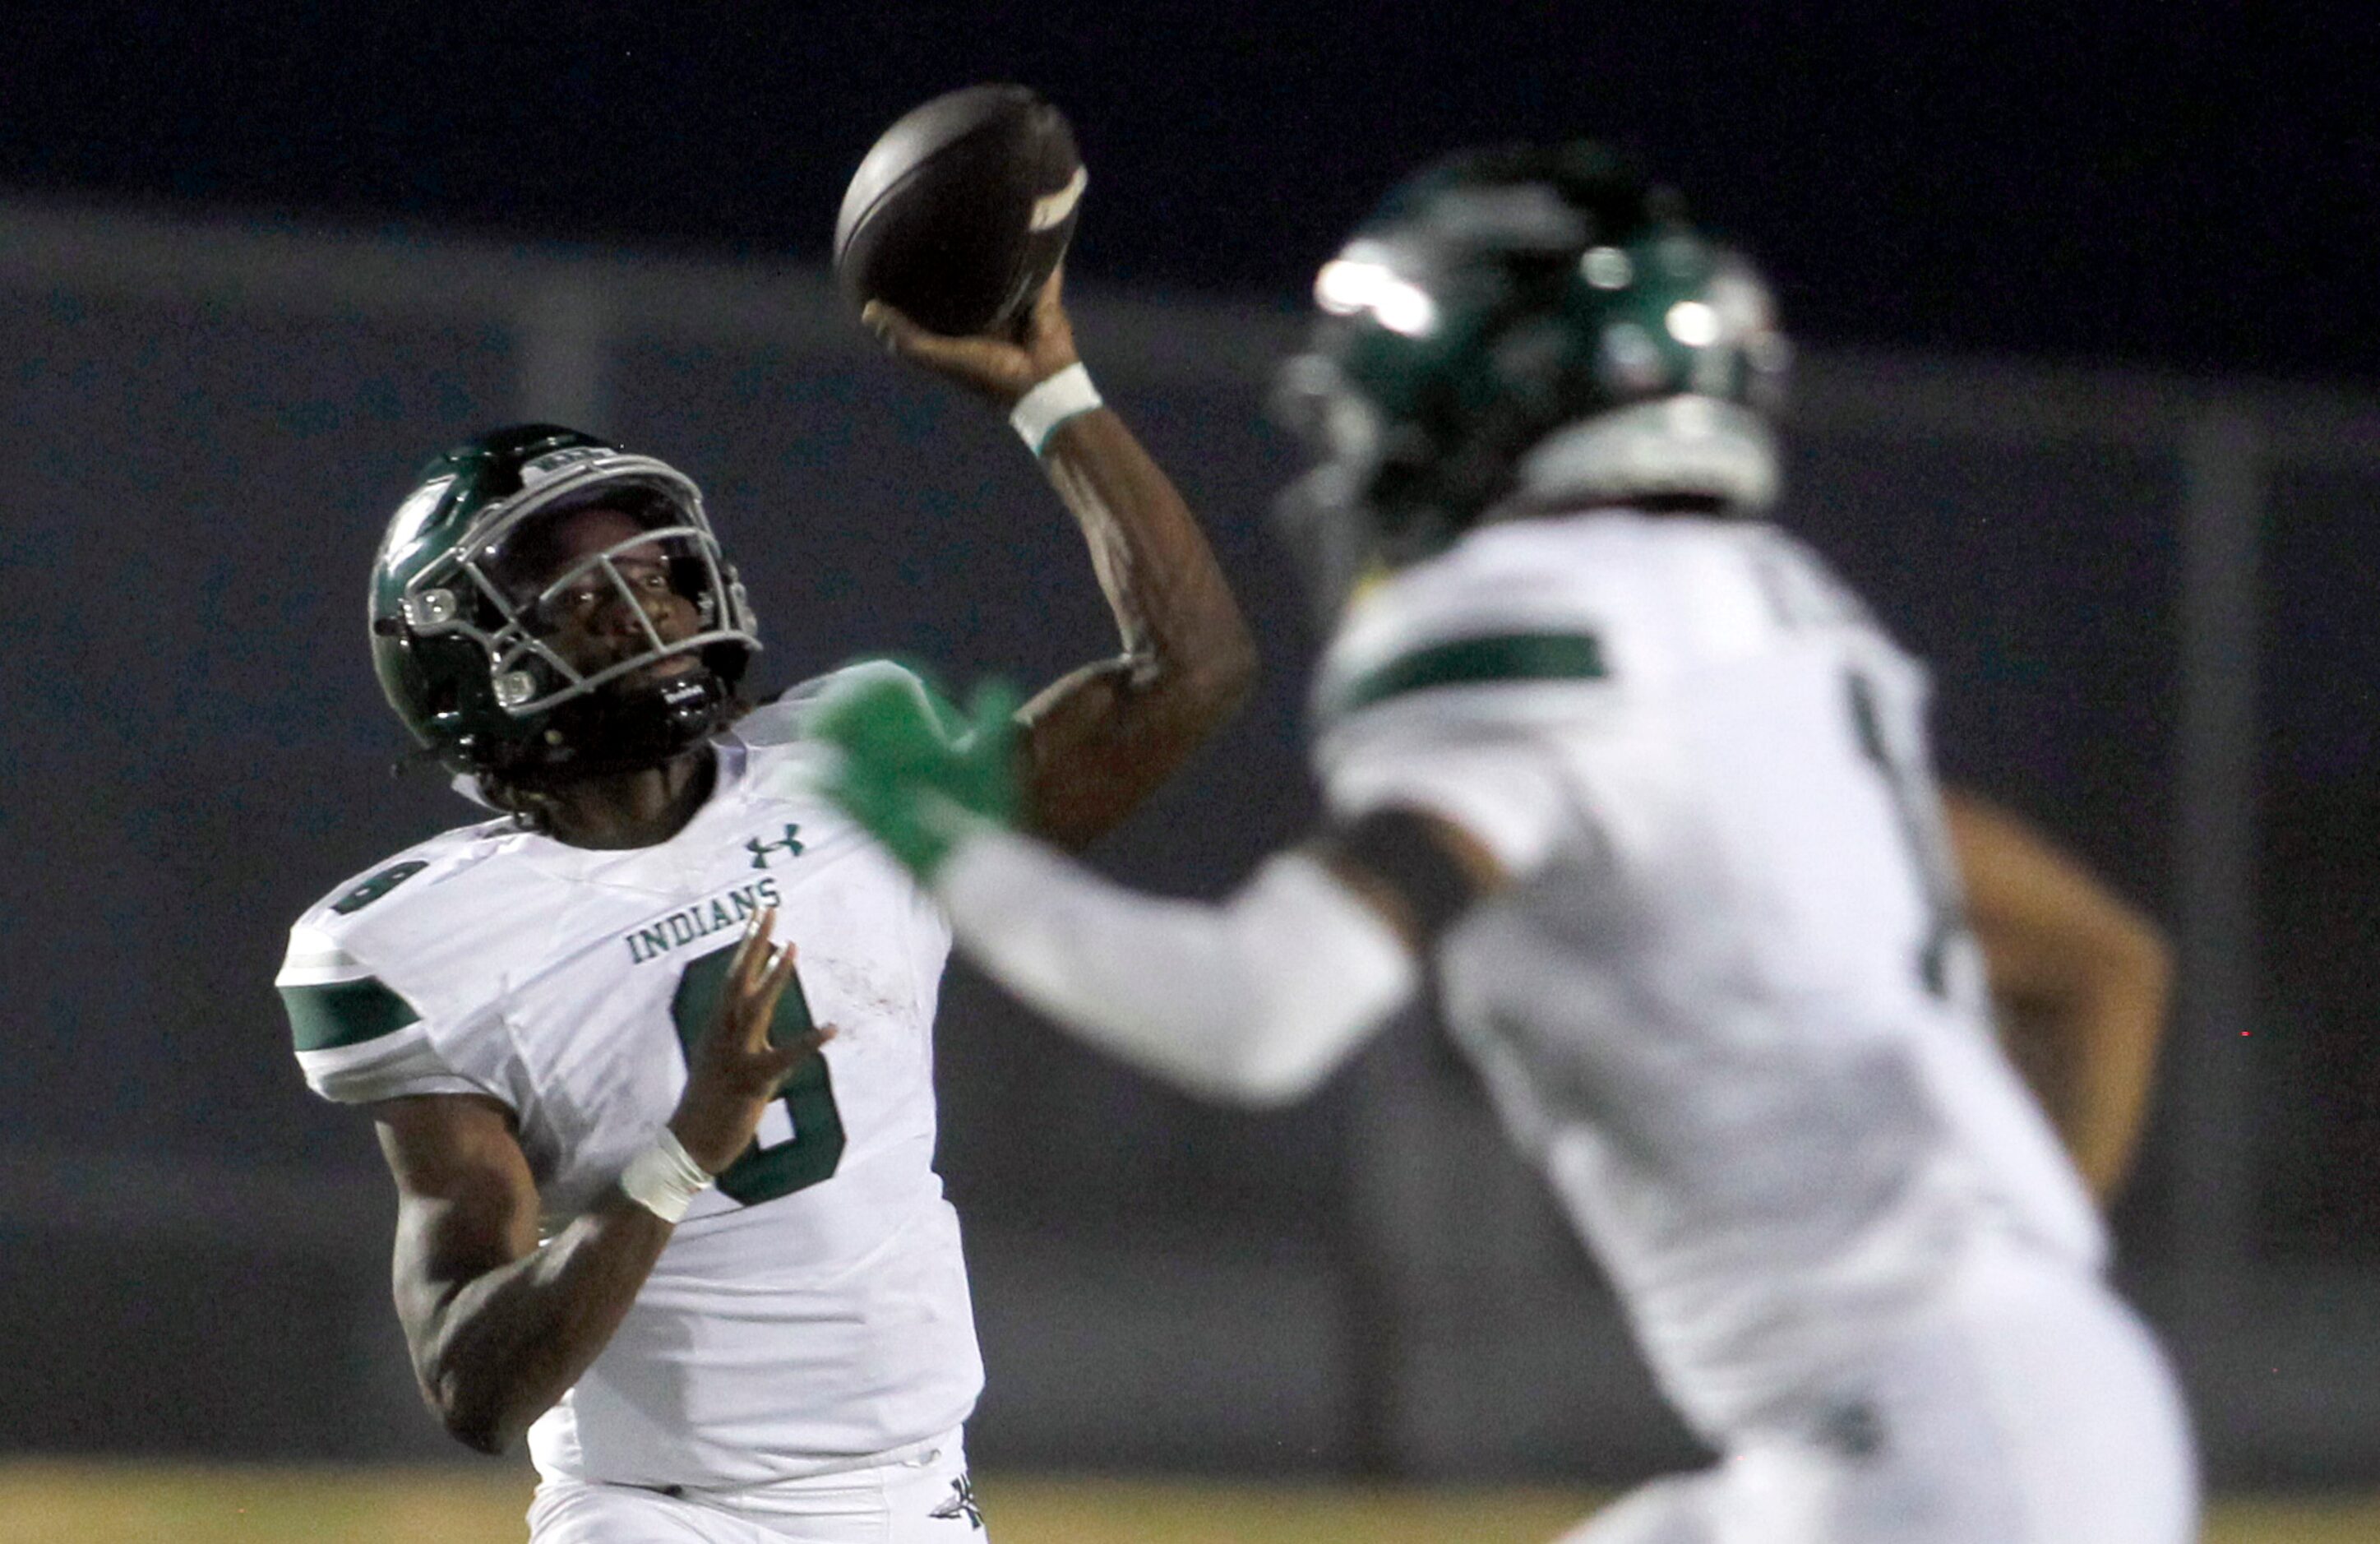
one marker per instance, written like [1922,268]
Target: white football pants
[2033,1409]
[923,1499]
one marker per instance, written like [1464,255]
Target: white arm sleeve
[1507,790]
[1254,1000]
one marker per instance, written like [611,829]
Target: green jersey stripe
[326,1017]
[1471,662]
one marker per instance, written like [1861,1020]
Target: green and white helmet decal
[468,584]
[1523,328]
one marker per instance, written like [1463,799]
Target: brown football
[960,211]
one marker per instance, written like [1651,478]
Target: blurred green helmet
[1520,330]
[468,580]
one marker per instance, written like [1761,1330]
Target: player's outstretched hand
[734,1071]
[1001,366]
[917,786]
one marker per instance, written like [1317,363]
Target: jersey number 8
[765,1172]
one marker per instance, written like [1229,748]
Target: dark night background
[2035,260]
[2182,186]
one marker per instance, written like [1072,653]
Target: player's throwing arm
[952,241]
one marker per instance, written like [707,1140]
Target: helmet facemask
[611,629]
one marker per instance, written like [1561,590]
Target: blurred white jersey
[811,1311]
[1731,1008]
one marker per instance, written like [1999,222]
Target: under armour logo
[961,1505]
[761,850]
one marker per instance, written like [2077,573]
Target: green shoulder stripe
[1472,661]
[325,1018]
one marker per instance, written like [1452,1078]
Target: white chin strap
[1682,446]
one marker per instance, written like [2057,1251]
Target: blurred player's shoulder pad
[1557,613]
[1455,685]
[1611,605]
[1542,669]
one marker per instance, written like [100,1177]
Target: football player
[1628,778]
[666,1199]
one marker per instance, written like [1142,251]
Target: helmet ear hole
[441,700]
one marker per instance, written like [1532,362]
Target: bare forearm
[2079,976]
[2110,1102]
[2091,1057]
[1100,740]
[1153,561]
[495,1353]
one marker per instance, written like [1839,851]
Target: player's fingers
[806,1045]
[781,972]
[1049,310]
[773,1062]
[751,955]
[888,323]
[761,1009]
[1045,335]
[992,706]
[894,329]
[986,363]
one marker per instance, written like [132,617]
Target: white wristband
[1039,411]
[665,1179]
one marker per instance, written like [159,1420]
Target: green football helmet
[1520,330]
[472,578]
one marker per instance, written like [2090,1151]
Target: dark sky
[2186,186]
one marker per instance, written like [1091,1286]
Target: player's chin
[665,669]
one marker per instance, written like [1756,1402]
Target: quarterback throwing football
[666,1193]
[1628,775]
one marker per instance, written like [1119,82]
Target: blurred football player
[1640,789]
[645,1215]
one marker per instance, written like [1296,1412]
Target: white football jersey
[812,1308]
[1731,1007]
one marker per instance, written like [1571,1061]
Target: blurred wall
[2143,600]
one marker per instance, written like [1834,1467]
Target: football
[960,211]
